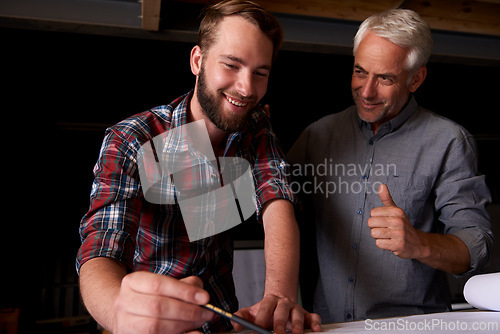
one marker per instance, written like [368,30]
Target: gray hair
[403,27]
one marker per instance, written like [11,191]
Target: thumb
[200,296]
[385,196]
[193,280]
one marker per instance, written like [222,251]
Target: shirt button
[351,280]
[360,212]
[364,177]
[355,246]
[348,316]
[213,176]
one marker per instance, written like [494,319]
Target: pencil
[235,318]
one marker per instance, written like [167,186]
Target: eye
[386,80]
[263,74]
[360,73]
[230,66]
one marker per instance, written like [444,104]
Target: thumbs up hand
[392,230]
[385,196]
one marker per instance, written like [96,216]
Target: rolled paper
[483,291]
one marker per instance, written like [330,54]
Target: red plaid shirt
[122,225]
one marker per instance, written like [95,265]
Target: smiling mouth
[236,103]
[369,105]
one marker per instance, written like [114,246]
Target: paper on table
[447,322]
[483,291]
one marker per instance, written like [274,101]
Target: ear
[195,61]
[418,78]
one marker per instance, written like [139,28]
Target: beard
[214,110]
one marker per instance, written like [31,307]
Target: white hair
[403,27]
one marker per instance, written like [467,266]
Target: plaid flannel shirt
[121,224]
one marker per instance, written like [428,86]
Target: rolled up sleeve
[461,199]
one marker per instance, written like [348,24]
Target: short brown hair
[250,11]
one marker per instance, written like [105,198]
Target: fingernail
[200,297]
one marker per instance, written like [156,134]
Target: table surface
[469,321]
[483,322]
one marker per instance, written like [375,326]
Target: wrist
[424,252]
[288,293]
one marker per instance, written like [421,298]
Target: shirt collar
[179,114]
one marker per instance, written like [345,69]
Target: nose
[368,89]
[245,84]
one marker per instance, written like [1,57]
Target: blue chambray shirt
[430,166]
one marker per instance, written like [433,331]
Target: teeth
[236,103]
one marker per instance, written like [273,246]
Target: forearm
[281,249]
[279,306]
[100,281]
[444,252]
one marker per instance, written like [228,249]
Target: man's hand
[280,314]
[151,303]
[279,309]
[392,230]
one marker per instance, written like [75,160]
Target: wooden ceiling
[476,17]
[463,31]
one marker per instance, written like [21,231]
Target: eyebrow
[359,67]
[388,75]
[240,61]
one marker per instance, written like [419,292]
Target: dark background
[62,90]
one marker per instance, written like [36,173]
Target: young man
[139,272]
[401,201]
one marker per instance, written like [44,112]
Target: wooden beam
[151,14]
[479,17]
[354,10]
[490,1]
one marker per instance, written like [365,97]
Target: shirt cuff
[105,244]
[478,249]
[273,189]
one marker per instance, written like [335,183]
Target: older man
[398,200]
